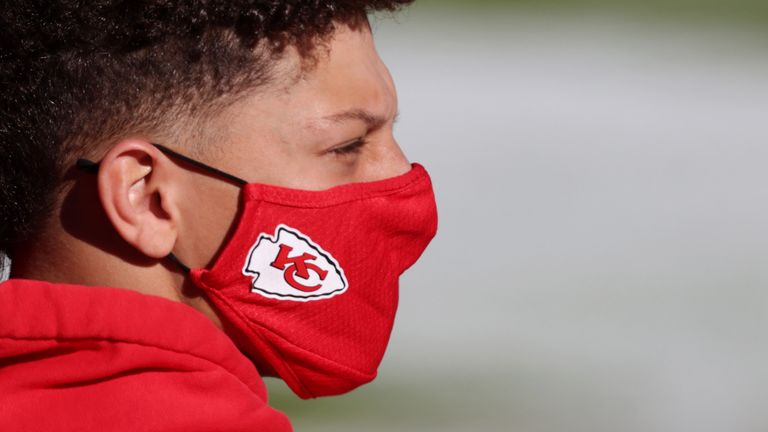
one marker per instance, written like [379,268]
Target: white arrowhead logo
[290,266]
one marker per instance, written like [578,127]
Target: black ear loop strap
[92,167]
[211,170]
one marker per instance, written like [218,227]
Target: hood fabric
[77,358]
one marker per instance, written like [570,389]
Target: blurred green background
[746,11]
[600,265]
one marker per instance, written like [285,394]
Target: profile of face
[329,125]
[310,128]
[313,129]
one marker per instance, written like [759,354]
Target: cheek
[298,159]
[210,207]
[317,172]
[302,168]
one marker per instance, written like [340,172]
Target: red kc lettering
[297,266]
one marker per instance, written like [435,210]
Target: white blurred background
[601,259]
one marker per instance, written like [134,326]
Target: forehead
[297,109]
[347,74]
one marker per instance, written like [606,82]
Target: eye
[352,147]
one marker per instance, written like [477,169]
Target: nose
[390,161]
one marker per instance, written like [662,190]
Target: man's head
[275,92]
[287,94]
[77,78]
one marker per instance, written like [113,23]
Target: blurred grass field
[752,12]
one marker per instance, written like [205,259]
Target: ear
[139,190]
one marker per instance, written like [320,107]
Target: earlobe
[138,194]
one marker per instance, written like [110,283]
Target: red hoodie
[76,358]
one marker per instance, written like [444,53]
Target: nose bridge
[391,161]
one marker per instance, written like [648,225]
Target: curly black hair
[76,73]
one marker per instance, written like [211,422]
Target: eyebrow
[373,121]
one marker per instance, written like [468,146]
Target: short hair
[77,73]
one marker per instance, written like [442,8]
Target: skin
[303,131]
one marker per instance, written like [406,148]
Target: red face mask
[307,286]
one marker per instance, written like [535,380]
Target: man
[194,195]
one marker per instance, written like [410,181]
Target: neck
[80,246]
[65,259]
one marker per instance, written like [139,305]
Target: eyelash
[351,148]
